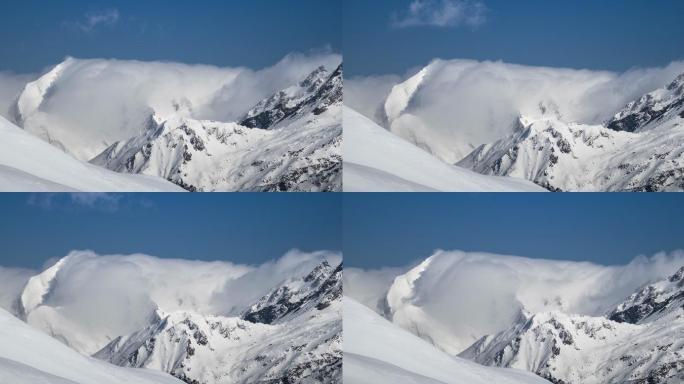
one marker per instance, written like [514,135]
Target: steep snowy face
[401,94]
[293,334]
[640,341]
[298,149]
[651,109]
[653,301]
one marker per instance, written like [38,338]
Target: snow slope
[28,356]
[377,351]
[28,163]
[376,160]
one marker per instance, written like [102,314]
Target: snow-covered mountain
[640,342]
[193,125]
[563,129]
[639,149]
[375,160]
[28,356]
[290,141]
[568,322]
[293,334]
[29,164]
[195,328]
[652,109]
[377,351]
[652,302]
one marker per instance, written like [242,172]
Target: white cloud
[441,13]
[95,19]
[461,104]
[109,202]
[458,297]
[366,95]
[93,103]
[11,85]
[12,281]
[369,287]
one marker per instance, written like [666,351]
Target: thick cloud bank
[460,104]
[12,282]
[86,299]
[11,86]
[86,105]
[453,298]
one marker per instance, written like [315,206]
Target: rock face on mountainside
[651,109]
[652,302]
[317,290]
[640,341]
[640,149]
[291,335]
[288,142]
[314,94]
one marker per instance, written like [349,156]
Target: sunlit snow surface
[28,356]
[29,164]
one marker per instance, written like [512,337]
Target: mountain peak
[318,289]
[652,301]
[313,94]
[654,107]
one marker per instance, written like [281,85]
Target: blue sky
[606,228]
[385,36]
[35,34]
[243,228]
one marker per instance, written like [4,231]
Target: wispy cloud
[107,202]
[441,13]
[95,19]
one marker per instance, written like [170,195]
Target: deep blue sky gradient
[35,34]
[240,227]
[594,34]
[606,228]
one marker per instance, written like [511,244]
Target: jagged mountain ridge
[570,349]
[317,91]
[652,302]
[301,345]
[651,109]
[318,289]
[638,150]
[289,142]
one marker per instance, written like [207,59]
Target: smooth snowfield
[28,356]
[377,351]
[29,164]
[376,160]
